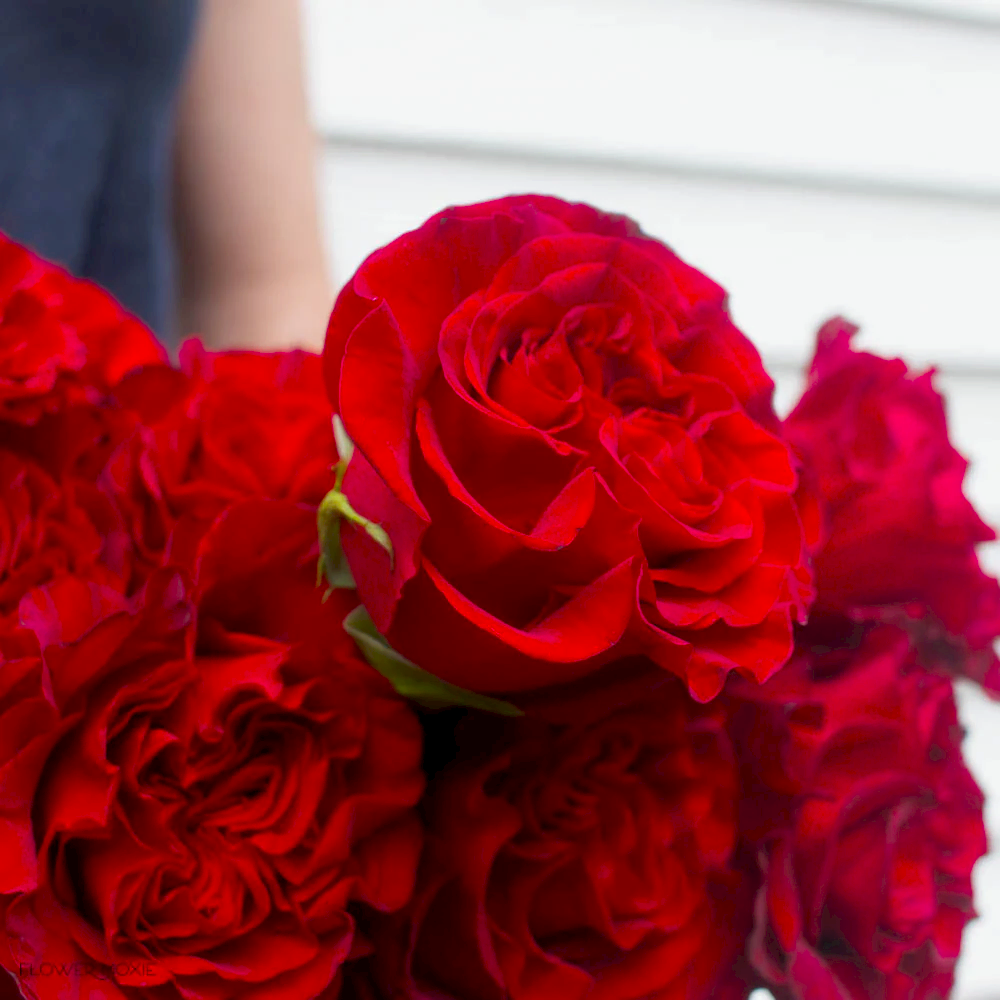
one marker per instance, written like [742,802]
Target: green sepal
[335,506]
[345,446]
[411,681]
[332,565]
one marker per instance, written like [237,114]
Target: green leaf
[411,681]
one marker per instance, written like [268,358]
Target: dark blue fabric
[87,89]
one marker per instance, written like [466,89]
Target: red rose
[224,427]
[572,450]
[589,860]
[868,866]
[48,530]
[29,727]
[900,533]
[61,339]
[221,799]
[65,346]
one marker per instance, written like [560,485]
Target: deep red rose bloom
[868,865]
[222,428]
[62,339]
[48,529]
[220,797]
[571,448]
[29,727]
[65,347]
[577,861]
[900,533]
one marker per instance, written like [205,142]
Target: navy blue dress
[87,89]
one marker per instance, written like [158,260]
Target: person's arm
[251,270]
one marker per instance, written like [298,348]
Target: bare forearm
[251,263]
[260,315]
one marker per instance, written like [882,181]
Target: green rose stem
[335,506]
[409,680]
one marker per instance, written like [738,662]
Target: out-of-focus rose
[201,810]
[867,820]
[222,428]
[62,340]
[572,449]
[30,726]
[590,860]
[900,538]
[65,347]
[48,529]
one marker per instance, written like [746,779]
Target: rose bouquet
[512,649]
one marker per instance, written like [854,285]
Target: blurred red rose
[30,725]
[65,347]
[62,340]
[590,860]
[868,821]
[48,529]
[222,428]
[202,809]
[572,449]
[900,534]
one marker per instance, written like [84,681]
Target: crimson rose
[65,347]
[572,449]
[203,804]
[49,529]
[221,428]
[868,821]
[900,539]
[569,861]
[62,340]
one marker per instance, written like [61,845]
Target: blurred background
[813,156]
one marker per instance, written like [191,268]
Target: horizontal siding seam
[744,174]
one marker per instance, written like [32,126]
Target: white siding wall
[814,156]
